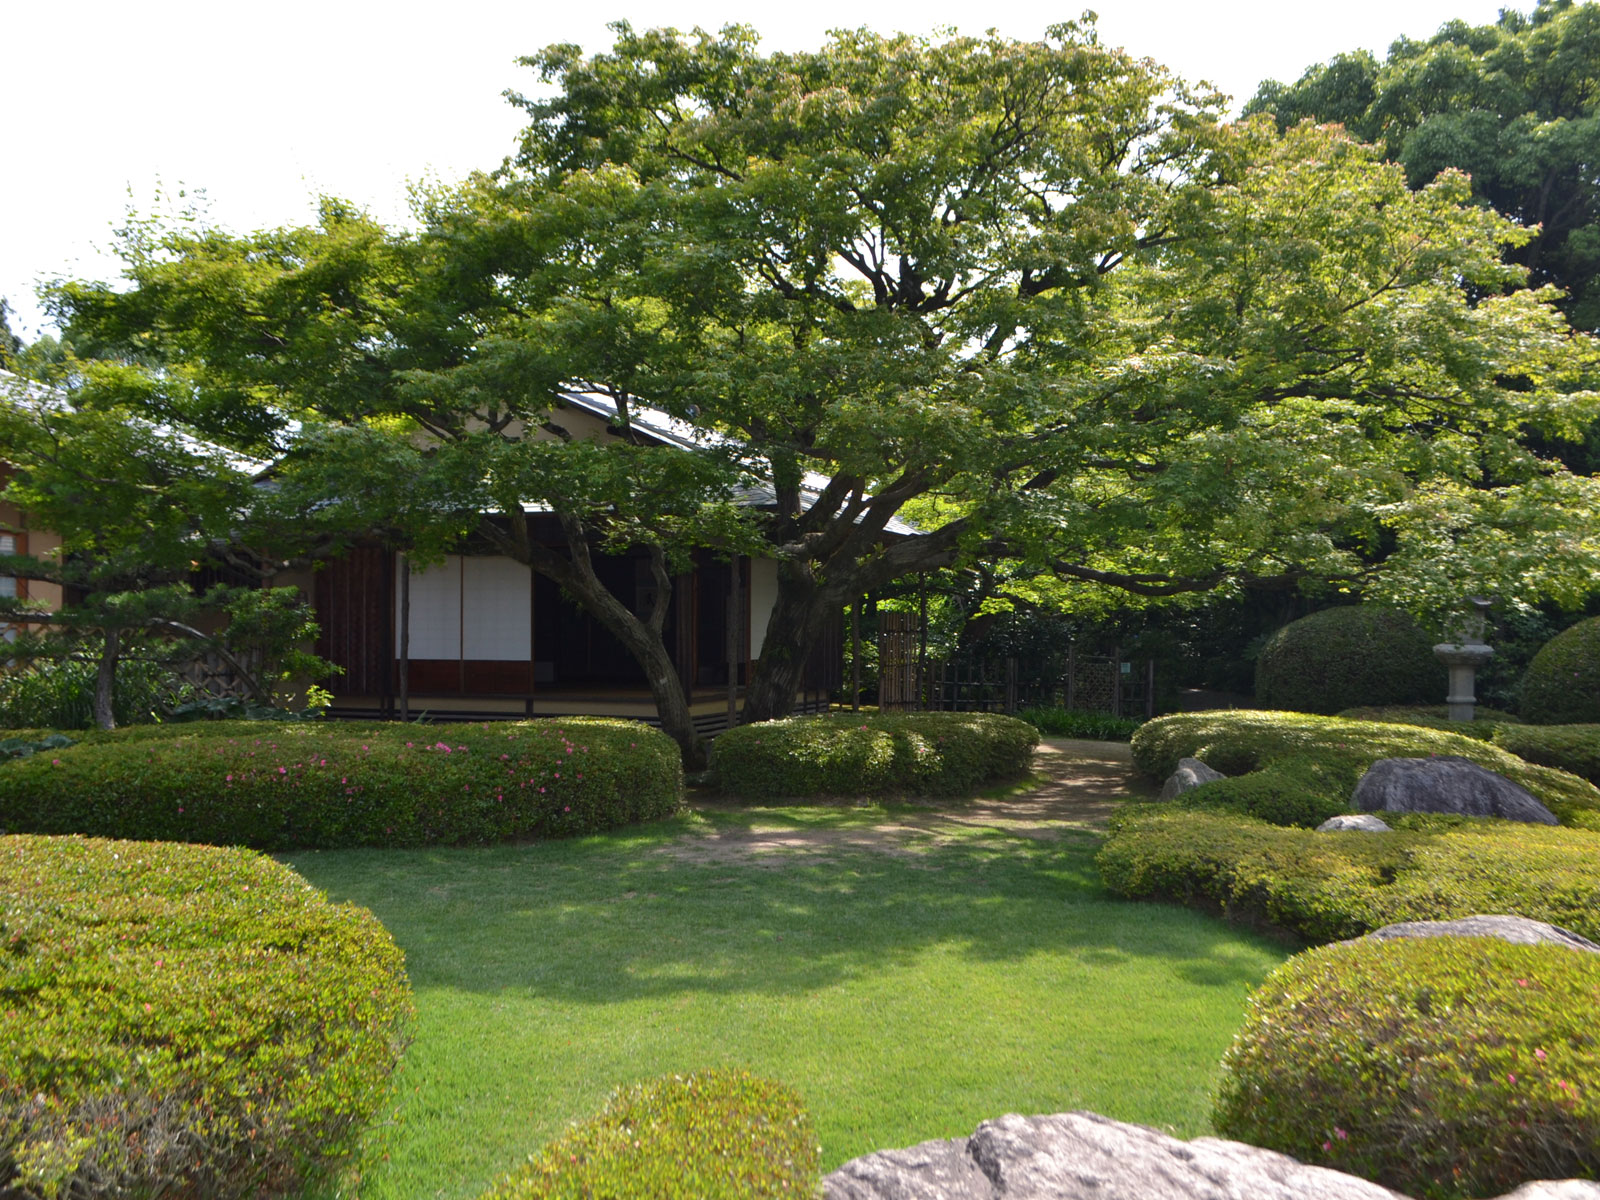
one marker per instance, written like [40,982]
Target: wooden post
[922,643]
[1116,681]
[1011,685]
[1149,689]
[735,628]
[405,637]
[855,656]
[1072,674]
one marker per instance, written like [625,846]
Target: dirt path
[1079,784]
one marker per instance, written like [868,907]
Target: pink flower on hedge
[283,770]
[1539,1054]
[1511,1078]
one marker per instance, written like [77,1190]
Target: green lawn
[906,994]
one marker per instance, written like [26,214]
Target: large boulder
[1191,773]
[1520,930]
[1446,783]
[1084,1156]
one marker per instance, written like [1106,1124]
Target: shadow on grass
[627,916]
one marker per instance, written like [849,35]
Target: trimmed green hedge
[1562,686]
[1325,886]
[325,785]
[711,1135]
[184,1020]
[1342,657]
[1300,769]
[1435,716]
[928,754]
[1440,1067]
[1571,748]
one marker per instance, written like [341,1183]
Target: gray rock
[1084,1156]
[1191,773]
[1446,783]
[1521,930]
[1353,822]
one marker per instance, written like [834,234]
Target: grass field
[907,987]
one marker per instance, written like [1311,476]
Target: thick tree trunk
[105,681]
[801,611]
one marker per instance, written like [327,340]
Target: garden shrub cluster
[1574,749]
[1325,886]
[927,754]
[1077,723]
[1300,769]
[710,1135]
[1343,657]
[59,693]
[315,785]
[1562,686]
[1440,1067]
[184,1021]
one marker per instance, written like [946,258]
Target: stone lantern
[1464,658]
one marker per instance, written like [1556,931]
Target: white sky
[264,105]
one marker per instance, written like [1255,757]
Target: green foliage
[1562,686]
[1440,1067]
[1342,657]
[1325,886]
[282,785]
[18,747]
[1515,105]
[1435,716]
[917,754]
[1571,748]
[1076,723]
[708,1135]
[183,1020]
[1308,766]
[58,693]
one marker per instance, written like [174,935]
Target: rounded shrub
[278,786]
[927,754]
[184,1021]
[1440,1067]
[710,1135]
[1562,686]
[1345,657]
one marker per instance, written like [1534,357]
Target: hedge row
[1299,769]
[1562,684]
[711,1135]
[1435,716]
[926,754]
[1358,654]
[1440,1067]
[183,1021]
[1571,748]
[1326,886]
[314,785]
[1078,723]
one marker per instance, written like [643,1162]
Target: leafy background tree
[1515,105]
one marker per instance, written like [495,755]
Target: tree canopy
[1036,296]
[1515,105]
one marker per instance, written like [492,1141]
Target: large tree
[1033,295]
[1516,105]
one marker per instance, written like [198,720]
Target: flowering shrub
[184,1021]
[928,754]
[710,1135]
[1440,1067]
[319,785]
[1299,769]
[1322,886]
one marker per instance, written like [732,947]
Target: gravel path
[1081,782]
